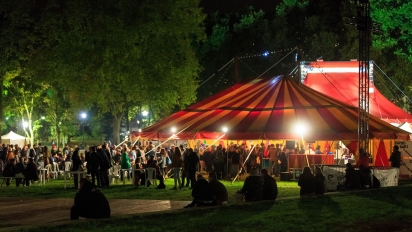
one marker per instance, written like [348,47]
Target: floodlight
[300,128]
[224,129]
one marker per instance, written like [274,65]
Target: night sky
[225,6]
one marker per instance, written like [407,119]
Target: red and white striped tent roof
[339,79]
[268,109]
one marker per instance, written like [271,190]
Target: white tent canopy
[13,138]
[406,127]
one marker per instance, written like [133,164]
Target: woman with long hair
[306,182]
[320,185]
[176,165]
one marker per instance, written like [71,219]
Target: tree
[395,21]
[121,53]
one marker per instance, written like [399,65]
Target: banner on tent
[405,148]
[334,175]
[387,177]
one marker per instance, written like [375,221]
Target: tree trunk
[117,119]
[1,104]
[58,133]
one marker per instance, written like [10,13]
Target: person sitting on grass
[252,187]
[352,181]
[201,193]
[89,202]
[320,184]
[306,182]
[218,189]
[270,187]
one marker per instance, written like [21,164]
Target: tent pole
[244,162]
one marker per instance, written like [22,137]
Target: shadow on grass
[390,195]
[314,205]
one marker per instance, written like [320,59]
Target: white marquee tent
[406,127]
[13,138]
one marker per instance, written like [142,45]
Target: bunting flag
[269,108]
[327,148]
[381,159]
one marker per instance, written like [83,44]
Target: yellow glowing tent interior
[268,108]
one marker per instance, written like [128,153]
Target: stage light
[224,129]
[173,130]
[300,128]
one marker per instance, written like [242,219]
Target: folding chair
[151,176]
[114,173]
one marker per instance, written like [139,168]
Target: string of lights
[267,53]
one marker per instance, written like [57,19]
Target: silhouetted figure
[201,193]
[306,182]
[31,173]
[395,157]
[89,202]
[270,187]
[218,189]
[253,187]
[320,184]
[351,178]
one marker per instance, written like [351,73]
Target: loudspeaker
[290,144]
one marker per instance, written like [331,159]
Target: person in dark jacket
[76,166]
[395,157]
[306,182]
[105,166]
[31,173]
[9,171]
[320,184]
[201,193]
[270,187]
[20,170]
[89,202]
[218,189]
[208,159]
[95,163]
[351,178]
[219,162]
[253,187]
[192,163]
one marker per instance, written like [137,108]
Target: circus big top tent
[339,79]
[268,109]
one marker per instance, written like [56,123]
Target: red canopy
[339,79]
[269,109]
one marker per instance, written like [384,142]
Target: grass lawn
[54,189]
[385,209]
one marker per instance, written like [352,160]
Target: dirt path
[18,213]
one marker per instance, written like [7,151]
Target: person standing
[95,163]
[106,165]
[219,162]
[395,157]
[192,163]
[273,155]
[124,162]
[176,165]
[76,166]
